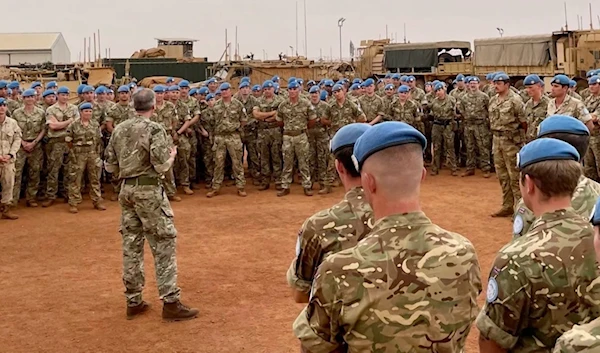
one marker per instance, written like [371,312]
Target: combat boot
[264,187]
[133,311]
[175,198]
[454,173]
[468,173]
[32,203]
[99,206]
[283,192]
[278,187]
[188,191]
[73,209]
[212,193]
[7,214]
[505,212]
[48,203]
[325,190]
[242,192]
[308,192]
[178,312]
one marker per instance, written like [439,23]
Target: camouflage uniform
[592,157]
[145,209]
[387,106]
[418,96]
[117,114]
[575,95]
[407,112]
[13,105]
[585,93]
[250,137]
[570,106]
[457,93]
[535,113]
[229,118]
[184,147]
[372,107]
[583,201]
[270,141]
[295,118]
[166,116]
[31,125]
[10,143]
[57,147]
[506,116]
[442,132]
[473,107]
[540,284]
[207,121]
[580,339]
[194,109]
[408,286]
[83,157]
[318,140]
[328,232]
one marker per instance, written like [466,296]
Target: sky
[269,26]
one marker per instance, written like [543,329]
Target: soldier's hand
[173,151]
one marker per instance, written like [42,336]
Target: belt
[474,122]
[442,122]
[503,133]
[294,133]
[142,180]
[56,139]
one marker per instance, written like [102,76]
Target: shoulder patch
[298,243]
[518,224]
[492,290]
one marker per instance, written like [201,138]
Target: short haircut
[554,178]
[143,100]
[580,142]
[344,155]
[397,169]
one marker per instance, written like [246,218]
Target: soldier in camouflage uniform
[58,118]
[269,136]
[230,118]
[250,135]
[508,126]
[592,103]
[371,104]
[404,109]
[295,115]
[145,209]
[405,272]
[388,98]
[10,143]
[182,139]
[490,88]
[15,100]
[473,107]
[540,284]
[84,139]
[337,228]
[442,134]
[318,139]
[574,132]
[564,104]
[207,122]
[32,121]
[573,90]
[536,108]
[190,132]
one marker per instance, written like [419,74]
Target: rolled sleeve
[491,331]
[309,338]
[295,282]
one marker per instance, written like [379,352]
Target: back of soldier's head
[344,156]
[580,142]
[143,100]
[566,128]
[342,146]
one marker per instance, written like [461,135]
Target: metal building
[33,48]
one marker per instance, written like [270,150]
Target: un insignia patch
[492,290]
[518,225]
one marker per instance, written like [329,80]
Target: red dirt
[61,273]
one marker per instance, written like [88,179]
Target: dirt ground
[61,273]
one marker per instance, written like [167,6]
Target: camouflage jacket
[249,104]
[183,113]
[84,136]
[535,113]
[540,284]
[506,114]
[583,201]
[474,106]
[417,95]
[570,106]
[229,117]
[165,115]
[443,109]
[580,339]
[31,124]
[321,111]
[457,93]
[523,94]
[207,120]
[192,104]
[407,112]
[118,113]
[266,105]
[13,105]
[10,137]
[327,232]
[585,93]
[489,89]
[98,112]
[575,95]
[387,105]
[408,286]
[343,115]
[70,112]
[295,117]
[592,103]
[372,106]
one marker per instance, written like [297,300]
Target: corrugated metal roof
[27,41]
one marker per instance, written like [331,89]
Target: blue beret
[395,76]
[33,85]
[210,96]
[594,80]
[589,74]
[460,78]
[347,136]
[355,86]
[595,216]
[300,81]
[369,82]
[159,89]
[382,136]
[276,87]
[9,91]
[561,80]
[572,83]
[293,84]
[63,90]
[311,83]
[428,83]
[454,81]
[110,90]
[85,105]
[357,80]
[203,90]
[51,84]
[389,86]
[125,88]
[170,79]
[184,83]
[379,81]
[475,79]
[489,76]
[268,84]
[532,80]
[244,84]
[562,124]
[404,78]
[314,89]
[323,96]
[438,86]
[545,149]
[245,79]
[435,82]
[291,79]
[3,101]
[193,91]
[224,86]
[169,89]
[13,85]
[87,89]
[501,77]
[255,88]
[218,92]
[101,90]
[275,78]
[329,83]
[79,88]
[337,87]
[132,85]
[403,89]
[29,93]
[388,75]
[211,80]
[48,92]
[411,78]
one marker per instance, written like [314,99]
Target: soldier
[371,104]
[573,90]
[416,93]
[295,115]
[318,139]
[257,91]
[83,138]
[110,95]
[170,81]
[337,228]
[15,100]
[473,107]
[404,109]
[10,143]
[250,135]
[564,104]
[508,126]
[181,139]
[574,132]
[119,113]
[586,91]
[230,118]
[52,85]
[32,122]
[378,287]
[460,88]
[354,92]
[592,160]
[58,118]
[488,88]
[207,121]
[541,284]
[194,109]
[39,89]
[145,211]
[536,108]
[442,133]
[388,98]
[49,99]
[269,136]
[396,81]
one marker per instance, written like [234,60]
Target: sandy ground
[61,273]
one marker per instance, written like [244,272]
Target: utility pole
[340,24]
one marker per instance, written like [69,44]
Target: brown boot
[212,193]
[100,207]
[32,203]
[73,209]
[242,192]
[505,212]
[468,173]
[283,192]
[454,173]
[486,174]
[133,311]
[178,312]
[308,192]
[188,191]
[325,190]
[264,187]
[48,203]
[175,198]
[7,214]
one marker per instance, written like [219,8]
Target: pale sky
[270,25]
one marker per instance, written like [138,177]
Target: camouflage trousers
[591,165]
[442,138]
[270,142]
[33,160]
[7,181]
[505,160]
[232,144]
[57,157]
[193,140]
[250,141]
[82,160]
[295,147]
[318,140]
[208,157]
[476,139]
[182,161]
[147,214]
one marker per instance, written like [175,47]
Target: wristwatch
[11,156]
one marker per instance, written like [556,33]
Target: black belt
[141,180]
[442,122]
